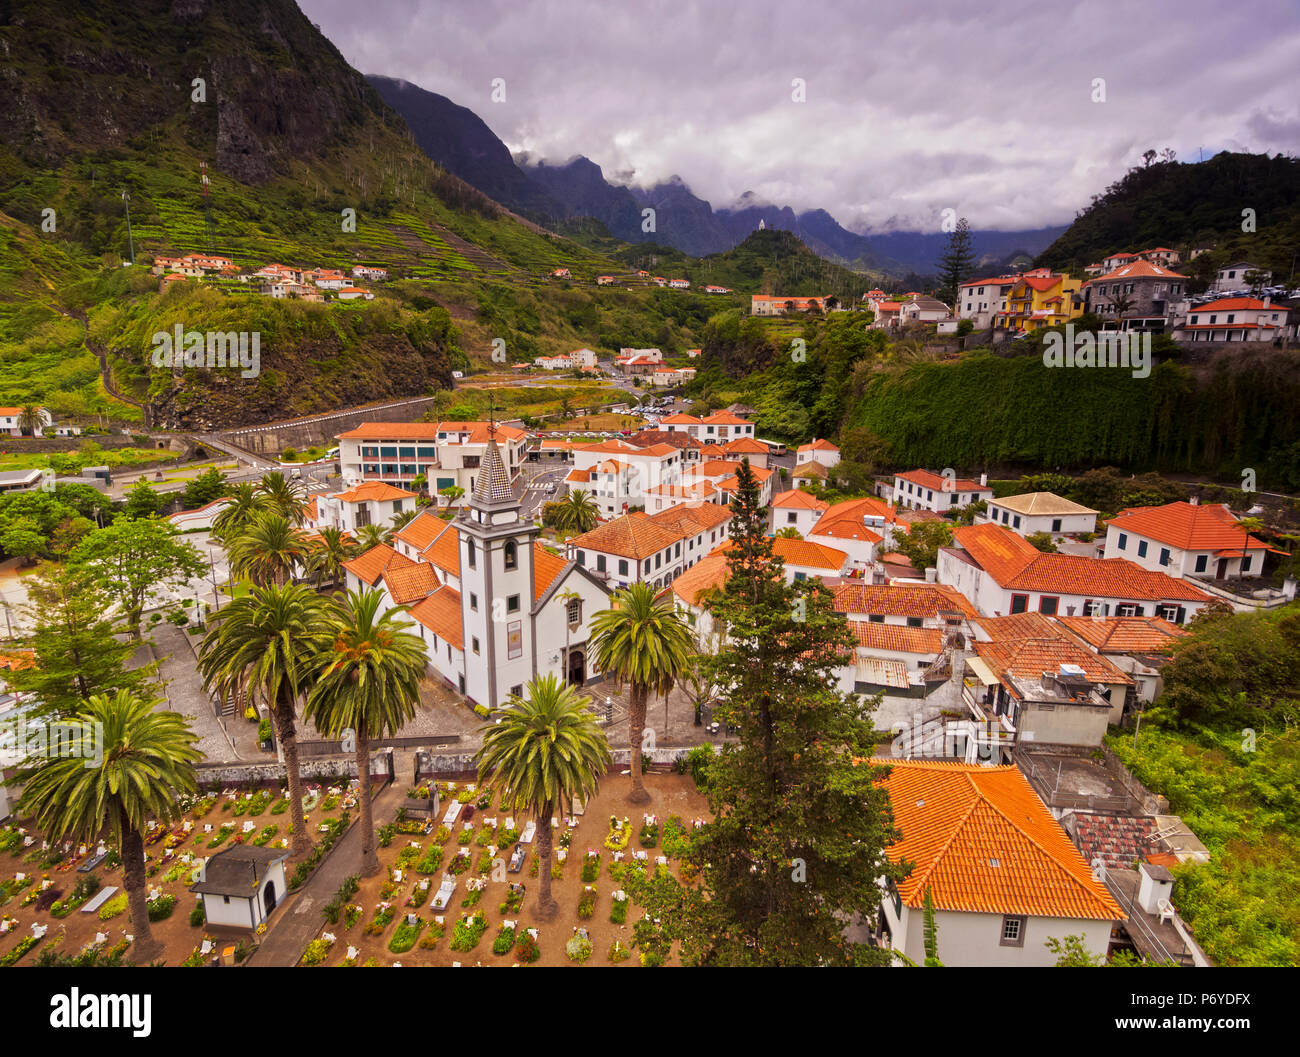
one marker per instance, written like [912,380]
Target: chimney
[1268,298]
[931,575]
[1194,501]
[984,480]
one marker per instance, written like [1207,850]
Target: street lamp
[212,569]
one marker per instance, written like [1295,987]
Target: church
[494,606]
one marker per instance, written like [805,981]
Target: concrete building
[1034,512]
[924,490]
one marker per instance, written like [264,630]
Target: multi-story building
[1235,319]
[646,548]
[775,305]
[716,428]
[1040,299]
[1138,295]
[448,454]
[1035,512]
[1003,574]
[1234,277]
[979,300]
[923,490]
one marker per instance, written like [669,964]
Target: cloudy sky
[986,108]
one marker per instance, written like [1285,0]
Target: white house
[447,453]
[862,527]
[1137,646]
[1185,539]
[367,271]
[1001,573]
[1234,319]
[241,885]
[818,450]
[354,293]
[651,548]
[796,509]
[1041,512]
[369,503]
[11,421]
[923,490]
[1233,277]
[1002,874]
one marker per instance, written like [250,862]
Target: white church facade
[495,607]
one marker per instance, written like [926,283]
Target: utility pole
[126,197]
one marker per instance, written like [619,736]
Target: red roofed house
[979,300]
[818,450]
[1002,874]
[1139,294]
[654,549]
[1002,573]
[1185,539]
[858,526]
[368,503]
[796,509]
[1236,319]
[923,490]
[768,305]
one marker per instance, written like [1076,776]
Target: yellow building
[1040,299]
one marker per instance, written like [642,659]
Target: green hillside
[1183,205]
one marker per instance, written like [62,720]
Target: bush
[466,934]
[526,950]
[316,952]
[198,916]
[405,935]
[578,948]
[115,906]
[160,909]
[504,942]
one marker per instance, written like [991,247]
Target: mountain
[1183,205]
[581,190]
[458,140]
[307,166]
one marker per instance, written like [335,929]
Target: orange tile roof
[428,431]
[410,583]
[845,520]
[680,420]
[811,469]
[981,841]
[798,499]
[935,481]
[611,447]
[1124,634]
[901,600]
[708,573]
[692,520]
[799,552]
[17,660]
[818,445]
[377,491]
[725,418]
[1015,565]
[441,614]
[1025,645]
[897,637]
[721,467]
[745,446]
[1229,304]
[1208,527]
[579,476]
[629,536]
[444,552]
[372,564]
[421,530]
[546,567]
[1138,269]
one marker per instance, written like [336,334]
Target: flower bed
[160,909]
[514,899]
[649,835]
[620,832]
[591,865]
[618,908]
[317,951]
[24,945]
[115,906]
[432,861]
[505,940]
[526,950]
[468,931]
[460,863]
[618,952]
[405,935]
[578,948]
[382,919]
[587,904]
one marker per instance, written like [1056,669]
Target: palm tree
[369,683]
[373,536]
[268,549]
[244,506]
[403,519]
[146,761]
[286,497]
[576,513]
[30,419]
[543,751]
[328,553]
[1250,526]
[643,641]
[270,642]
